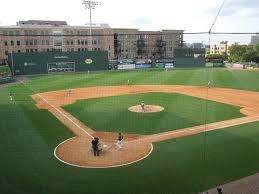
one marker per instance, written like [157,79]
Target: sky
[188,15]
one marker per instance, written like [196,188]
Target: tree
[235,53]
[212,56]
[249,56]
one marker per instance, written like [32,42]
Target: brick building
[46,36]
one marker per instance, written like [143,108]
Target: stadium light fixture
[90,5]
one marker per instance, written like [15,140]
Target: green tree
[236,52]
[249,56]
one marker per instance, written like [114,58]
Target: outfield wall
[58,62]
[189,62]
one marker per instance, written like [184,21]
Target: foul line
[65,116]
[60,112]
[100,167]
[199,129]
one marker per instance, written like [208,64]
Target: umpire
[95,143]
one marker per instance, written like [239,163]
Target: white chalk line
[224,124]
[60,112]
[100,167]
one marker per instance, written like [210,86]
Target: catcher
[120,142]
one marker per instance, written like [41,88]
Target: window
[95,49]
[43,42]
[47,42]
[42,33]
[27,42]
[68,42]
[35,32]
[31,50]
[72,49]
[78,33]
[30,42]
[57,38]
[5,43]
[12,43]
[27,50]
[78,42]
[85,42]
[35,42]
[82,42]
[36,50]
[19,51]
[6,52]
[17,33]
[47,50]
[72,42]
[99,49]
[18,43]
[79,49]
[10,33]
[4,33]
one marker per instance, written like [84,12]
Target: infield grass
[111,113]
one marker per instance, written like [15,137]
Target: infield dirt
[77,151]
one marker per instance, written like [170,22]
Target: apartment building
[255,39]
[132,43]
[221,48]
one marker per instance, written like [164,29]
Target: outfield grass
[111,113]
[244,80]
[182,166]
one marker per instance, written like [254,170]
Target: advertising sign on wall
[143,63]
[126,66]
[164,63]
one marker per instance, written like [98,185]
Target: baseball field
[190,138]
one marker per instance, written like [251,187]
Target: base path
[77,151]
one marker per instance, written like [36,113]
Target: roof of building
[42,22]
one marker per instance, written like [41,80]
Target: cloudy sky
[188,15]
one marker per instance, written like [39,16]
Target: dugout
[57,62]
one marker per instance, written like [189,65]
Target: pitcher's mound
[147,109]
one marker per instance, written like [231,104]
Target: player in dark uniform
[95,146]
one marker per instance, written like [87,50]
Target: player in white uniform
[142,106]
[120,142]
[11,97]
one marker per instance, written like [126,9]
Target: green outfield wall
[57,62]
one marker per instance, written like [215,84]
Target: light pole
[90,5]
